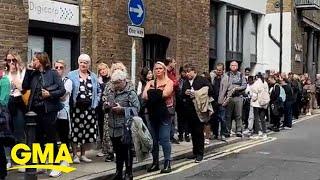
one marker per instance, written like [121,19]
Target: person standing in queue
[85,98]
[195,82]
[46,90]
[159,96]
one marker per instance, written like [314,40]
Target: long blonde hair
[164,67]
[17,56]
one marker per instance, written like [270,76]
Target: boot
[128,176]
[154,166]
[119,171]
[167,167]
[118,175]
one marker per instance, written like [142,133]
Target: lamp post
[278,4]
[30,174]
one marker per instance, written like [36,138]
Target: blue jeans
[160,133]
[287,114]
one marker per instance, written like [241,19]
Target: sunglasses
[59,67]
[11,60]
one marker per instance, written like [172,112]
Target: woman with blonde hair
[118,65]
[158,94]
[104,76]
[16,71]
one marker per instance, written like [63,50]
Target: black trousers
[46,129]
[197,134]
[275,121]
[183,127]
[124,154]
[3,163]
[100,117]
[62,127]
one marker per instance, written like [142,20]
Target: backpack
[263,98]
[282,94]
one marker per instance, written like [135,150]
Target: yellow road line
[190,163]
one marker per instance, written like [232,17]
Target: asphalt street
[288,155]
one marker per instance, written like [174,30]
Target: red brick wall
[14,26]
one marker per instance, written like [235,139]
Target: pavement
[99,169]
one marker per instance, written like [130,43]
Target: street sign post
[136,13]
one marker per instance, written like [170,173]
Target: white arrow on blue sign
[136,12]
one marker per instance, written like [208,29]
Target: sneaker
[223,138]
[109,157]
[287,128]
[21,170]
[206,141]
[309,114]
[260,133]
[255,137]
[101,154]
[85,159]
[55,173]
[247,131]
[76,159]
[198,159]
[264,136]
[232,133]
[187,138]
[9,164]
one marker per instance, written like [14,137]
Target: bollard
[30,118]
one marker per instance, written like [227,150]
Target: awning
[311,23]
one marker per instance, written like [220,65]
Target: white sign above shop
[54,12]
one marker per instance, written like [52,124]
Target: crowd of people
[80,108]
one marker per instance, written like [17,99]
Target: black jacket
[51,82]
[198,83]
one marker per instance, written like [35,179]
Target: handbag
[26,96]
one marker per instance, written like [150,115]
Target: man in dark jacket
[46,89]
[194,83]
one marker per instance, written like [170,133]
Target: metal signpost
[136,13]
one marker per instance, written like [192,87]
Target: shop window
[154,48]
[234,34]
[253,39]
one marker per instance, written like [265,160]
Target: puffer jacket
[127,98]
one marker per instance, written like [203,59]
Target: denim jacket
[96,91]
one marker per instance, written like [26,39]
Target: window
[253,39]
[154,48]
[213,36]
[234,34]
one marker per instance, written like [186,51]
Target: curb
[176,157]
[179,155]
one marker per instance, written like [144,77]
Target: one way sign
[136,12]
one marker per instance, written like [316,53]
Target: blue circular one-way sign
[136,12]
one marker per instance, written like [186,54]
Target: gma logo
[41,159]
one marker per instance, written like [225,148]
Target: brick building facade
[305,24]
[184,26]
